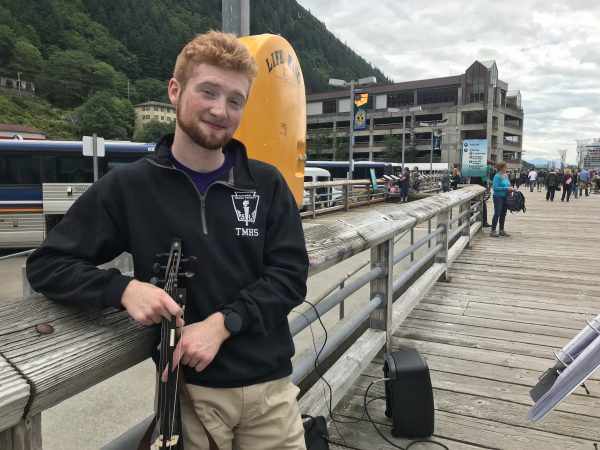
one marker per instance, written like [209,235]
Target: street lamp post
[404,111]
[342,83]
[433,124]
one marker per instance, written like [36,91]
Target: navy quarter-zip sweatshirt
[245,232]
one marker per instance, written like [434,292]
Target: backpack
[316,436]
[515,201]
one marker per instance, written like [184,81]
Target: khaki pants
[263,416]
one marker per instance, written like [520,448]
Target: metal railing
[330,196]
[71,367]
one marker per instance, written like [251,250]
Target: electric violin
[165,431]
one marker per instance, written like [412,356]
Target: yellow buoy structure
[273,127]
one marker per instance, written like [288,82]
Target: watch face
[233,322]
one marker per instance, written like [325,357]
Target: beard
[198,136]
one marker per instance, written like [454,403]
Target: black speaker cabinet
[408,394]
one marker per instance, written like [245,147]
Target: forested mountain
[71,49]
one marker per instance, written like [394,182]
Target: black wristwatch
[233,321]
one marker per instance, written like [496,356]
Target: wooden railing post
[313,201]
[26,435]
[346,195]
[466,231]
[27,290]
[442,238]
[481,206]
[382,255]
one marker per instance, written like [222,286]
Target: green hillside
[126,49]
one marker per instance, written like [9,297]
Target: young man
[237,216]
[532,179]
[552,182]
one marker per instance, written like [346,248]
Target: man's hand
[200,342]
[148,304]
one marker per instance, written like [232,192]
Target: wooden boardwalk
[489,334]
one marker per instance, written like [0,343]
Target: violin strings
[166,358]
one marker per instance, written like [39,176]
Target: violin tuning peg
[190,259]
[155,281]
[188,274]
[162,255]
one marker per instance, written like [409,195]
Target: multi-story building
[17,86]
[588,153]
[147,111]
[473,105]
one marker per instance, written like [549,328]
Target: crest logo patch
[245,205]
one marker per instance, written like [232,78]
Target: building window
[329,106]
[476,83]
[399,99]
[439,95]
[156,116]
[162,118]
[156,108]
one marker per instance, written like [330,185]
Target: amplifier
[408,394]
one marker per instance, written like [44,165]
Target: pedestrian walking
[445,181]
[404,185]
[501,187]
[532,176]
[574,187]
[541,181]
[455,179]
[416,179]
[551,184]
[567,184]
[584,179]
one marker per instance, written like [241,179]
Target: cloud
[577,113]
[547,49]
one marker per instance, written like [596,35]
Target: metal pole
[403,139]
[431,151]
[19,82]
[351,133]
[95,155]
[235,17]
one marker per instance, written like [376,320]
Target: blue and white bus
[362,169]
[26,165]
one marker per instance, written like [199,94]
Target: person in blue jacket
[501,187]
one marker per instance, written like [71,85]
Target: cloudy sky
[547,49]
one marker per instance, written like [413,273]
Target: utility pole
[235,17]
[19,82]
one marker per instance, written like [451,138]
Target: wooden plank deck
[489,334]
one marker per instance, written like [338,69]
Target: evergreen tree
[392,148]
[108,116]
[154,130]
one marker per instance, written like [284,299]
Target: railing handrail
[14,255]
[71,366]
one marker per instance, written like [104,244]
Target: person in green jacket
[551,184]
